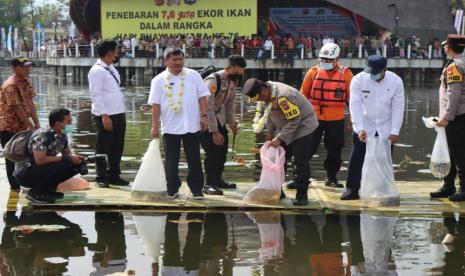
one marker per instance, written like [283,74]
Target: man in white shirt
[377,109]
[179,98]
[268,46]
[108,111]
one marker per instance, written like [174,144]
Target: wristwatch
[204,115]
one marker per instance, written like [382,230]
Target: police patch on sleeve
[453,74]
[213,88]
[289,109]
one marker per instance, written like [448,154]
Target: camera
[100,161]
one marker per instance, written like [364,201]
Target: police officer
[221,111]
[327,85]
[291,124]
[452,103]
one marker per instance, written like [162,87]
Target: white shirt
[268,45]
[187,120]
[105,91]
[377,107]
[135,42]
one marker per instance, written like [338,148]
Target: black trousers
[333,132]
[450,178]
[215,155]
[111,143]
[356,159]
[47,177]
[191,147]
[455,132]
[5,136]
[300,151]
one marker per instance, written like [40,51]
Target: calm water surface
[229,243]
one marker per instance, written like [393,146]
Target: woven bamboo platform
[414,200]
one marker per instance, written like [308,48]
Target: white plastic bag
[440,158]
[271,235]
[268,189]
[150,179]
[378,184]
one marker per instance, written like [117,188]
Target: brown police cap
[251,88]
[455,39]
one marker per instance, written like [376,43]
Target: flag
[16,41]
[458,20]
[9,43]
[3,38]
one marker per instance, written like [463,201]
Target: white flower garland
[175,106]
[259,121]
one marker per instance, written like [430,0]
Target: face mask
[234,77]
[326,66]
[375,77]
[68,129]
[116,59]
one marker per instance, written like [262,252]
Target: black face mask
[234,77]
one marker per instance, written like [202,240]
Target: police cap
[455,41]
[251,89]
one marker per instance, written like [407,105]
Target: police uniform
[292,120]
[221,111]
[452,105]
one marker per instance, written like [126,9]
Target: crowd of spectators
[258,47]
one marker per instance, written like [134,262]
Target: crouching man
[42,170]
[291,123]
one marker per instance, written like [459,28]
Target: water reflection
[27,252]
[264,243]
[110,248]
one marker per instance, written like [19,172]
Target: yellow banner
[153,18]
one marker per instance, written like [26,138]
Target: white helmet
[329,50]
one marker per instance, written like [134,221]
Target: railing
[275,53]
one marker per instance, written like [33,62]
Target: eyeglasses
[327,59]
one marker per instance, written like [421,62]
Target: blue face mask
[326,66]
[68,129]
[375,77]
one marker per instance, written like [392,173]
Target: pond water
[312,243]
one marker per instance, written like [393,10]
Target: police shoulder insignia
[289,109]
[453,74]
[213,88]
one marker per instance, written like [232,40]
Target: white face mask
[326,66]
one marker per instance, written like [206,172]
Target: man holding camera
[42,170]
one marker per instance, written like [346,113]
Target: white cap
[329,50]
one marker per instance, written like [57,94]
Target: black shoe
[444,191]
[291,185]
[333,182]
[460,196]
[40,198]
[118,181]
[350,195]
[301,198]
[300,202]
[212,190]
[226,185]
[56,195]
[102,184]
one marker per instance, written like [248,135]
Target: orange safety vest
[329,93]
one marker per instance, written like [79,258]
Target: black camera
[100,161]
